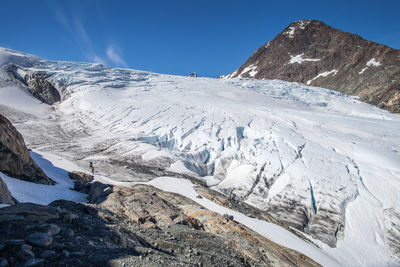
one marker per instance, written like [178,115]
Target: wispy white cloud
[58,14]
[97,59]
[72,20]
[114,55]
[78,33]
[81,32]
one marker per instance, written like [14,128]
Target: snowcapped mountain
[314,159]
[313,53]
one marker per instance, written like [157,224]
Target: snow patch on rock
[299,59]
[373,62]
[323,74]
[290,32]
[229,75]
[303,23]
[362,71]
[250,69]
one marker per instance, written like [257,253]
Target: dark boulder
[98,192]
[82,181]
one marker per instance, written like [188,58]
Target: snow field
[268,143]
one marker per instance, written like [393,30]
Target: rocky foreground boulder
[15,159]
[313,53]
[137,226]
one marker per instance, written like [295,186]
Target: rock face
[155,209]
[5,196]
[139,226]
[42,89]
[37,83]
[15,159]
[313,53]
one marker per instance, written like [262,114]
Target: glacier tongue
[313,158]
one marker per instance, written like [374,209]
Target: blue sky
[178,37]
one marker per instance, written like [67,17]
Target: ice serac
[313,53]
[15,159]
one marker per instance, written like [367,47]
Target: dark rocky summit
[15,159]
[313,53]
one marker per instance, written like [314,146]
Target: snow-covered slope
[317,160]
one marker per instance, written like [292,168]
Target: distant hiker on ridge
[91,167]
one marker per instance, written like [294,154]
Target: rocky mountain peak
[300,25]
[313,53]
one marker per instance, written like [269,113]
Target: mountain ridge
[314,53]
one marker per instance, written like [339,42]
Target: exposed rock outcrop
[15,159]
[139,226]
[313,53]
[5,195]
[37,83]
[155,209]
[43,89]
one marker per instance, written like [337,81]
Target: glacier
[315,159]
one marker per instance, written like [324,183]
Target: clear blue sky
[210,37]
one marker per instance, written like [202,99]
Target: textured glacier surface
[321,162]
